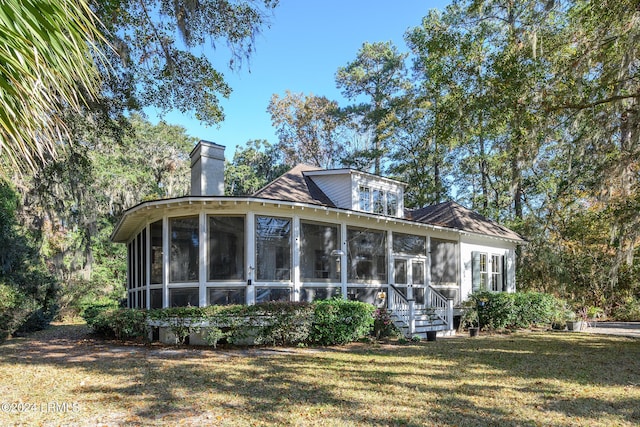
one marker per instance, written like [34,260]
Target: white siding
[337,188]
[469,244]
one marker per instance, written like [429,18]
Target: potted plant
[470,320]
[577,321]
[432,335]
[561,315]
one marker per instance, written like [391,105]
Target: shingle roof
[453,215]
[294,186]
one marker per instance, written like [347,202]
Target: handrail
[400,305]
[443,307]
[440,306]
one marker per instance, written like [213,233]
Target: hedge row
[327,322]
[517,310]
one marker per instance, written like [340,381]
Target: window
[272,294]
[378,202]
[142,260]
[444,262]
[226,296]
[183,297]
[226,248]
[273,248]
[156,252]
[409,244]
[156,298]
[484,272]
[184,256]
[130,266]
[138,261]
[392,204]
[487,272]
[400,272]
[314,294]
[365,199]
[370,295]
[417,272]
[496,273]
[367,255]
[316,243]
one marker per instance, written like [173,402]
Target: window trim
[243,241]
[257,251]
[484,280]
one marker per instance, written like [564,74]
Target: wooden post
[449,314]
[412,317]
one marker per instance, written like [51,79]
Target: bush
[338,321]
[283,323]
[383,326]
[10,301]
[513,310]
[90,313]
[328,322]
[128,323]
[627,311]
[535,308]
[119,323]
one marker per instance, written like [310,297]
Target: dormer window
[378,201]
[365,198]
[392,204]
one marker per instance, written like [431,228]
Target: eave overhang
[136,217]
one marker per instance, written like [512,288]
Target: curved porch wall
[139,294]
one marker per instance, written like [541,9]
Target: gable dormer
[361,191]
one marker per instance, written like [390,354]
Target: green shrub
[329,322]
[627,311]
[513,310]
[213,335]
[39,319]
[10,301]
[338,321]
[90,312]
[119,323]
[282,323]
[535,308]
[128,323]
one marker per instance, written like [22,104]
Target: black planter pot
[473,332]
[432,335]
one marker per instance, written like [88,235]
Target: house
[312,234]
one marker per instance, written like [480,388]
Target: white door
[409,278]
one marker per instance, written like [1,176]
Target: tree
[27,290]
[47,53]
[76,200]
[253,167]
[309,128]
[378,73]
[596,93]
[152,67]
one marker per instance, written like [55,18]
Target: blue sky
[307,41]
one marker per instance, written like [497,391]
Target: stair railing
[443,307]
[403,308]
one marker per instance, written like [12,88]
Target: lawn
[63,377]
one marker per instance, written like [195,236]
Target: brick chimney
[207,169]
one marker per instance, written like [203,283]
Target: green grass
[536,379]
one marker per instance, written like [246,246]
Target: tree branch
[585,105]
